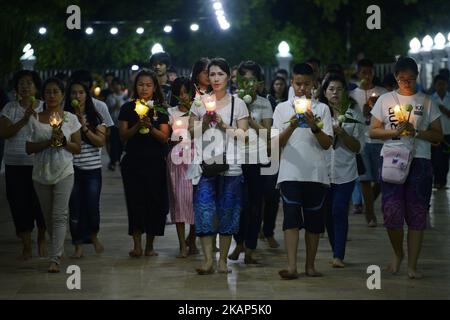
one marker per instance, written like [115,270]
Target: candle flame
[141,109]
[210,104]
[302,105]
[55,119]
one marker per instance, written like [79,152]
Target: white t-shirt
[102,109]
[302,158]
[361,97]
[51,165]
[423,114]
[256,150]
[341,161]
[445,120]
[223,108]
[14,152]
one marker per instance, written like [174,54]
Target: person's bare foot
[311,272]
[250,260]
[98,246]
[42,247]
[150,252]
[183,252]
[337,263]
[372,224]
[236,252]
[53,268]
[135,253]
[394,266]
[287,275]
[78,253]
[222,267]
[413,274]
[26,254]
[273,243]
[205,269]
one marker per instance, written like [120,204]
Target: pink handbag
[396,163]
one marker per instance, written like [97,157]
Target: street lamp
[284,57]
[113,31]
[89,30]
[140,30]
[157,47]
[28,59]
[42,30]
[168,29]
[194,27]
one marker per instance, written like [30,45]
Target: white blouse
[52,164]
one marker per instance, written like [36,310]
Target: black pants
[251,214]
[271,204]
[22,199]
[440,157]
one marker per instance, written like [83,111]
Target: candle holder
[210,105]
[142,110]
[302,105]
[55,122]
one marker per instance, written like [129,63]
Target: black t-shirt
[143,146]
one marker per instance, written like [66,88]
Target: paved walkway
[113,275]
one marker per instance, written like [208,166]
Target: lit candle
[302,105]
[210,104]
[179,123]
[398,112]
[97,91]
[55,119]
[141,109]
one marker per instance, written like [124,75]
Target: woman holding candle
[144,164]
[180,188]
[341,160]
[84,204]
[409,201]
[55,137]
[217,199]
[20,193]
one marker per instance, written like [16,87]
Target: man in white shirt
[303,174]
[440,154]
[366,95]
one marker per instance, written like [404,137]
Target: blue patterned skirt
[217,205]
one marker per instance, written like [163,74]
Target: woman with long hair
[144,164]
[218,197]
[341,160]
[55,138]
[84,204]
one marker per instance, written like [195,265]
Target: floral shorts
[410,201]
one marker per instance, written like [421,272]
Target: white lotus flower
[247,99]
[198,101]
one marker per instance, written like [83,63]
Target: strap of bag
[232,111]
